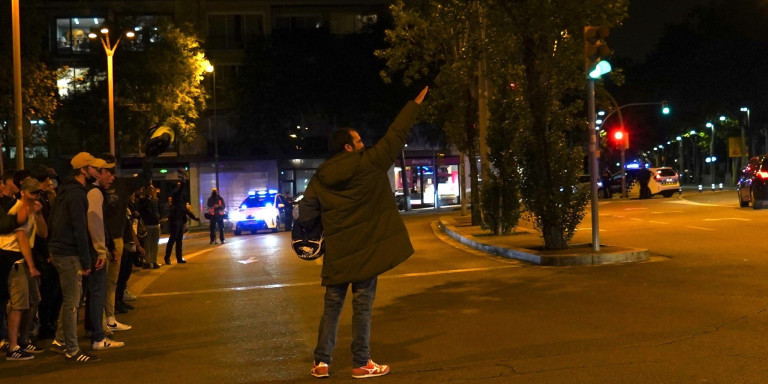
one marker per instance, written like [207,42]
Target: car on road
[261,210]
[662,181]
[753,184]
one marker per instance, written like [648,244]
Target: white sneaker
[107,343]
[127,296]
[118,326]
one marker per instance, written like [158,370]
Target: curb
[575,255]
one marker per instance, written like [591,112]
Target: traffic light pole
[593,167]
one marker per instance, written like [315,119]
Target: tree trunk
[553,237]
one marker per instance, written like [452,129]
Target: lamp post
[744,138]
[712,153]
[17,84]
[109,48]
[681,163]
[210,69]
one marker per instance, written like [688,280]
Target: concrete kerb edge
[631,255]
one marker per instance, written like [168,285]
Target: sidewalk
[527,245]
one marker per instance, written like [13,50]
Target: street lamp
[744,139]
[712,152]
[109,48]
[210,69]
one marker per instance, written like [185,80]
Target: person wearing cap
[70,251]
[103,248]
[116,197]
[24,280]
[216,215]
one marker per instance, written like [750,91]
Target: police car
[261,210]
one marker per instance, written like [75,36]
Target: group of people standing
[58,245]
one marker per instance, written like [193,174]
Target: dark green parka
[363,233]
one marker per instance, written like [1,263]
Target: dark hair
[108,157]
[40,172]
[8,174]
[20,176]
[341,137]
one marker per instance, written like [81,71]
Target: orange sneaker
[370,370]
[319,370]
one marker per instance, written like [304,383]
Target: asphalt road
[247,311]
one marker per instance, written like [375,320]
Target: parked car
[752,184]
[261,210]
[662,181]
[584,184]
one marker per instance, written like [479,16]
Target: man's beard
[90,179]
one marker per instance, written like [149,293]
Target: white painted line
[705,229]
[635,219]
[250,260]
[689,203]
[317,283]
[634,209]
[728,218]
[669,212]
[588,229]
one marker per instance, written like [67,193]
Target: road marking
[729,218]
[317,283]
[588,229]
[138,286]
[702,228]
[687,202]
[634,209]
[669,212]
[635,219]
[250,260]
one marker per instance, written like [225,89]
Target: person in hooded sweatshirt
[363,233]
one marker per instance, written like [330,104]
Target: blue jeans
[96,297]
[363,294]
[70,277]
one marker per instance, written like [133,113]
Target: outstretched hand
[421,95]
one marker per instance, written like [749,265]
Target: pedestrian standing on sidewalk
[50,288]
[103,249]
[149,213]
[216,212]
[116,197]
[177,219]
[70,251]
[363,233]
[24,280]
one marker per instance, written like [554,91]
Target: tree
[538,47]
[438,41]
[39,101]
[158,77]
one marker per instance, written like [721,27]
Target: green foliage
[438,41]
[160,81]
[38,81]
[501,202]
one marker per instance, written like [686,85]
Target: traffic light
[664,108]
[595,49]
[621,139]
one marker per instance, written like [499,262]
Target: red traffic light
[618,136]
[621,139]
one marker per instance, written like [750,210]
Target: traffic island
[527,246]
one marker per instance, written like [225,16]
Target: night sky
[645,25]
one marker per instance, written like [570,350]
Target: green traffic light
[665,110]
[601,68]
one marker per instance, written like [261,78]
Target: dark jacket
[148,211]
[179,212]
[363,233]
[219,211]
[117,197]
[67,225]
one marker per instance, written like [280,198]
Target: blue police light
[633,166]
[251,193]
[272,191]
[601,68]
